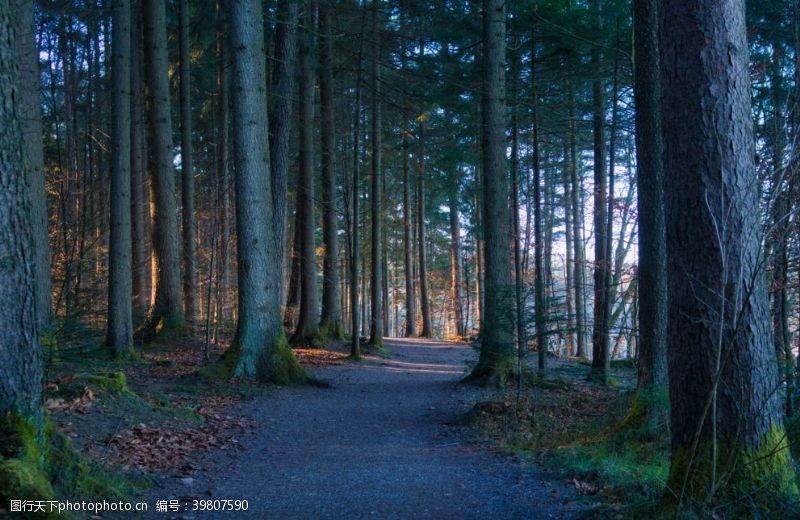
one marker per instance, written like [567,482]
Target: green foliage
[281,366]
[333,331]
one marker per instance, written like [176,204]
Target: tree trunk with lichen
[259,350]
[730,456]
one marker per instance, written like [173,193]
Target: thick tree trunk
[652,271]
[166,314]
[376,190]
[223,176]
[307,332]
[726,418]
[280,124]
[496,360]
[119,327]
[31,123]
[21,363]
[331,314]
[187,170]
[259,350]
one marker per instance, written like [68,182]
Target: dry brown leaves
[76,405]
[318,357]
[166,450]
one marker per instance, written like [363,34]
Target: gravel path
[378,445]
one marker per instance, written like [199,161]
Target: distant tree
[189,256]
[376,188]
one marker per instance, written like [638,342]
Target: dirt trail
[379,445]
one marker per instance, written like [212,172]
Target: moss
[280,366]
[758,481]
[493,369]
[332,330]
[307,339]
[277,365]
[109,383]
[22,475]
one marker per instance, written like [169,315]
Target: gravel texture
[381,443]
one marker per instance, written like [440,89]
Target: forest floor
[388,439]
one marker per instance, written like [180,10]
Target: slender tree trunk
[119,328]
[576,194]
[259,350]
[496,360]
[222,160]
[538,240]
[408,241]
[140,195]
[280,124]
[307,331]
[726,418]
[568,265]
[330,318]
[292,310]
[425,304]
[652,271]
[456,280]
[187,170]
[600,352]
[376,191]
[166,315]
[355,333]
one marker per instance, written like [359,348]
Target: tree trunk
[280,124]
[140,194]
[568,265]
[307,332]
[726,417]
[376,190]
[259,350]
[331,315]
[21,364]
[576,194]
[166,314]
[408,241]
[600,352]
[119,327]
[496,360]
[456,281]
[31,123]
[424,298]
[538,240]
[187,170]
[652,271]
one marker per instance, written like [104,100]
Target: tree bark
[408,241]
[726,418]
[600,352]
[331,314]
[496,360]
[187,169]
[456,280]
[652,270]
[376,190]
[280,124]
[576,195]
[424,298]
[21,363]
[119,327]
[259,350]
[31,123]
[307,332]
[166,314]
